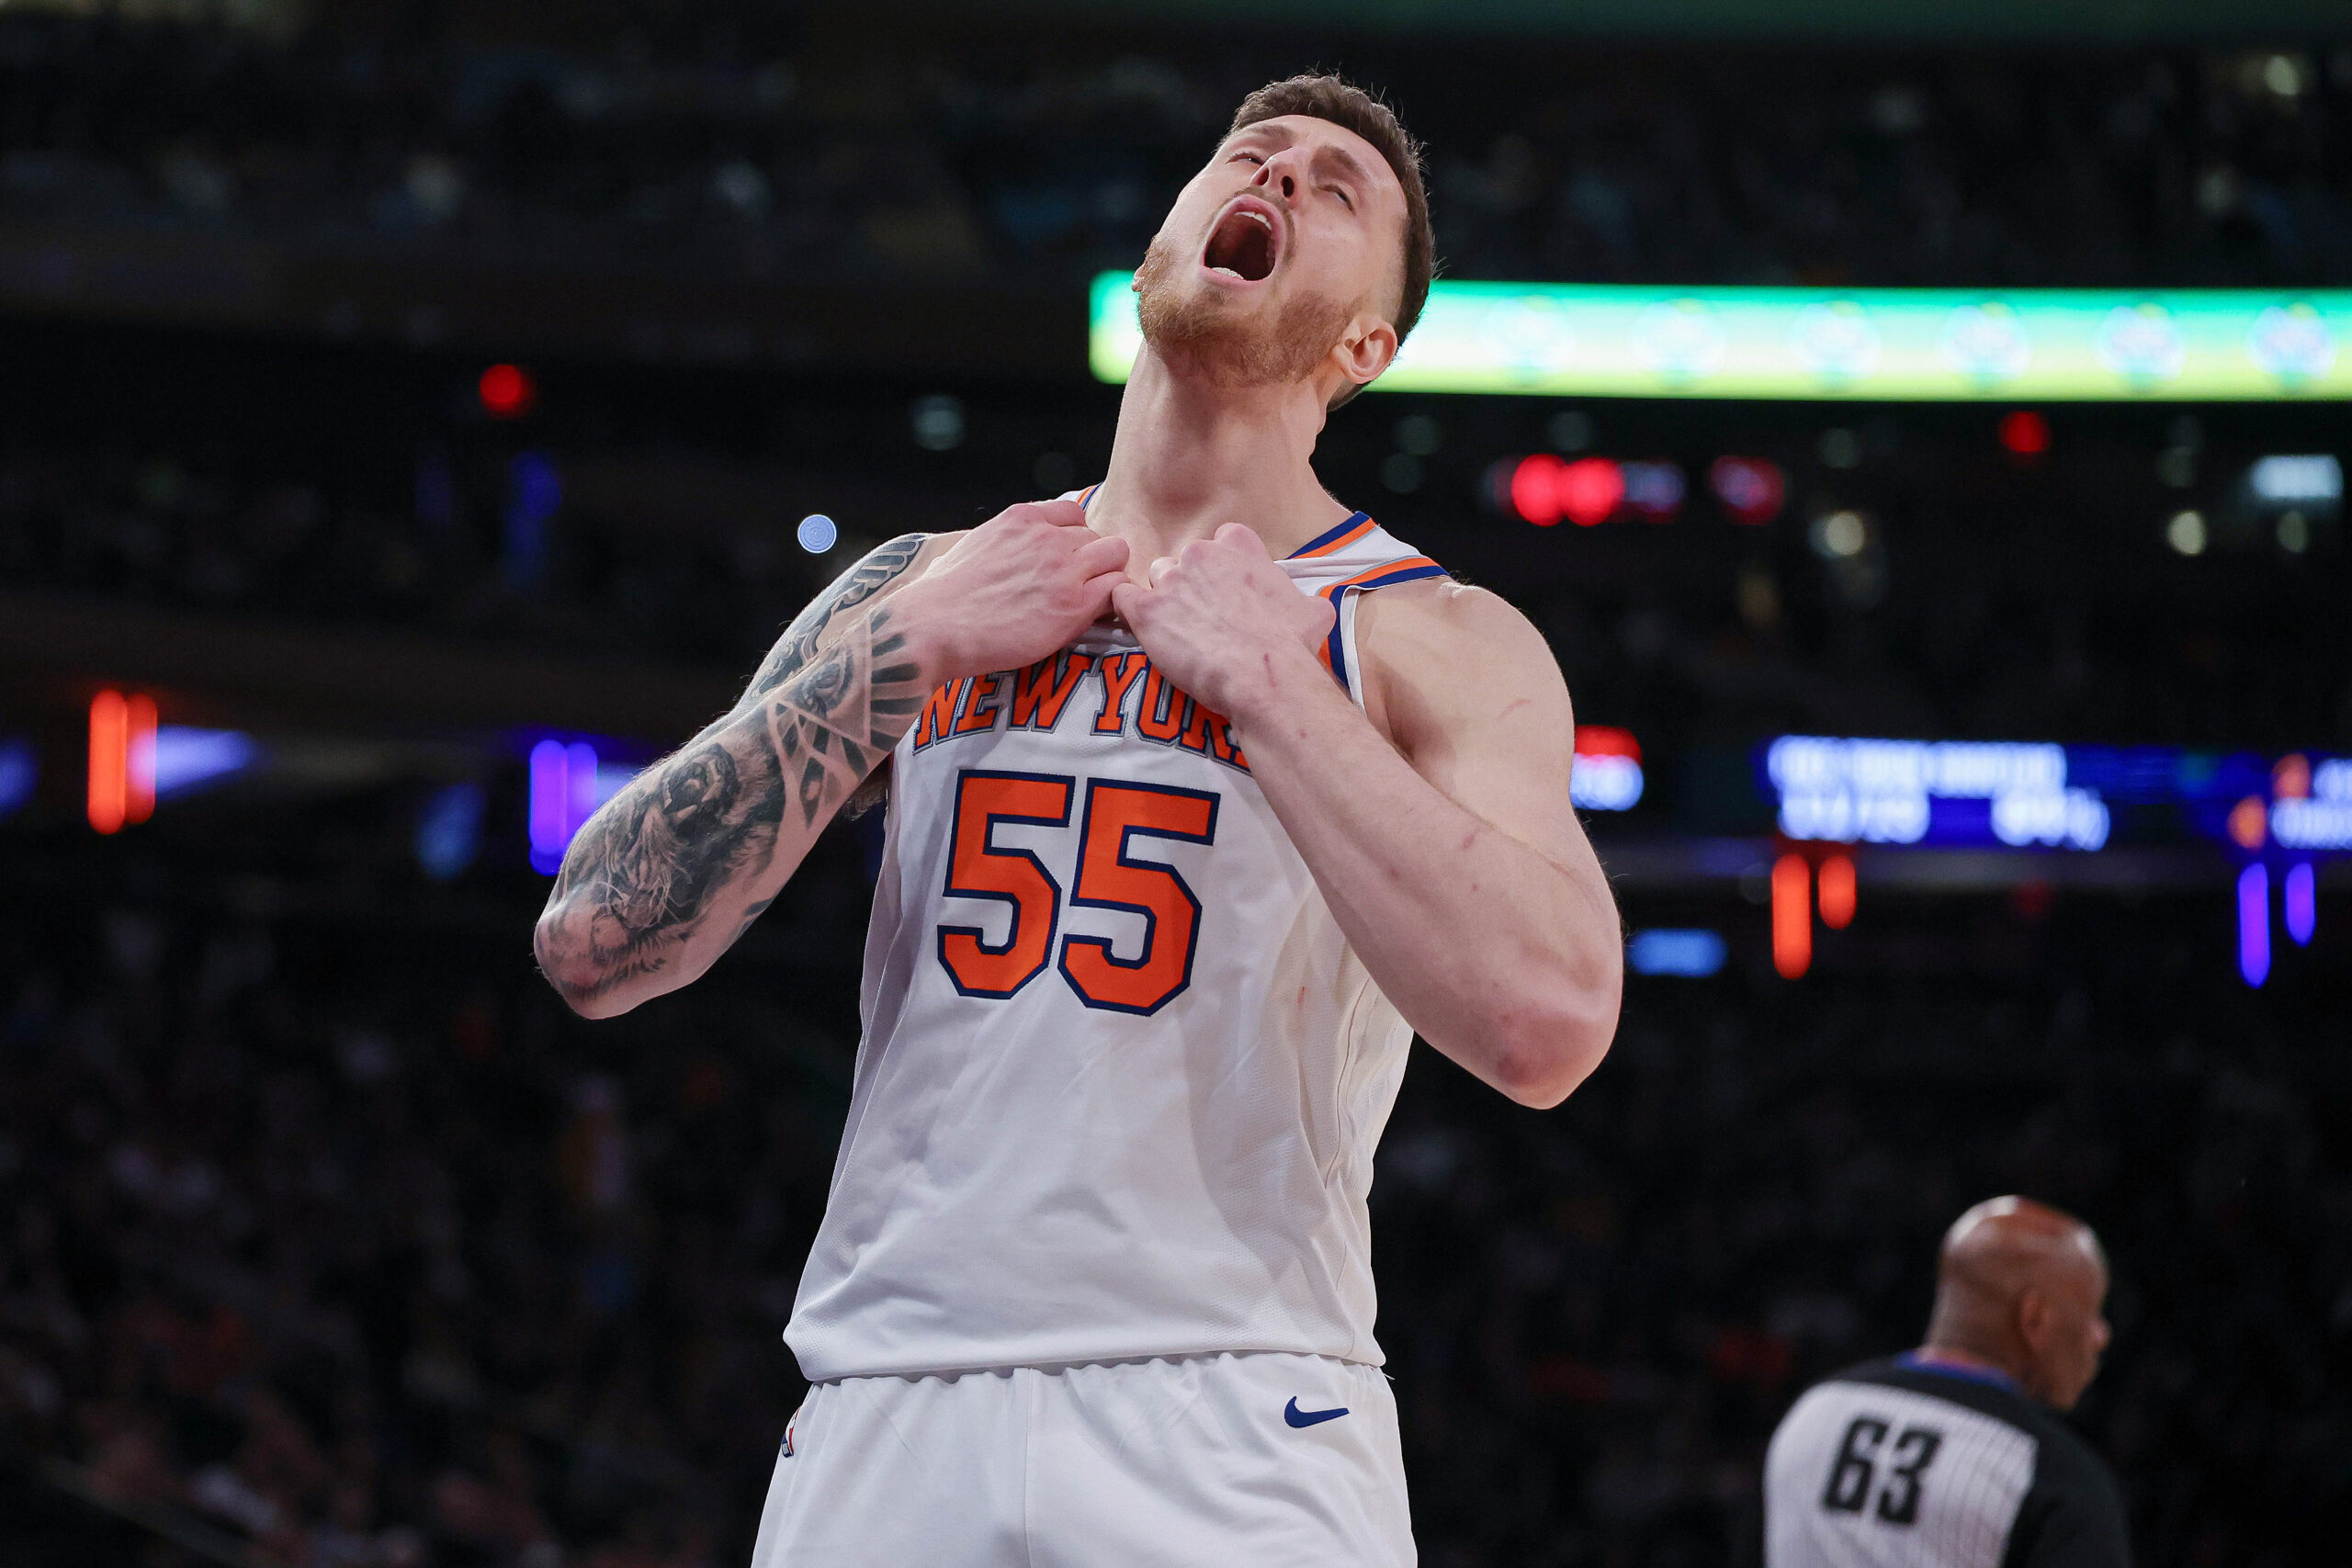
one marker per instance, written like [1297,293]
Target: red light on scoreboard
[1535,488]
[507,391]
[122,760]
[2025,432]
[1545,488]
[1589,490]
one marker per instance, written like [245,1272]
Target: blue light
[533,494]
[449,831]
[1887,792]
[1604,784]
[187,758]
[19,769]
[817,533]
[534,488]
[2253,924]
[2312,824]
[2301,897]
[1694,952]
[2318,480]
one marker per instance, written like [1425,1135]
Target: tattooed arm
[664,877]
[675,867]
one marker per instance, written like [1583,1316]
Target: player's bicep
[1473,697]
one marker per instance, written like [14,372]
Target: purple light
[2301,891]
[549,797]
[2253,924]
[581,797]
[565,792]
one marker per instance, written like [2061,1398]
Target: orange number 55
[1110,877]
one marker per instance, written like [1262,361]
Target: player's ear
[1365,349]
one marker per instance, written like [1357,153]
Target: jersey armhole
[1345,661]
[1341,651]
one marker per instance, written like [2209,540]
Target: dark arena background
[417,416]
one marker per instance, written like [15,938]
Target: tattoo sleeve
[681,842]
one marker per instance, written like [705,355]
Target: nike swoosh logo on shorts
[1297,1417]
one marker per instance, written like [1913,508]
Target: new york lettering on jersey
[1130,698]
[1121,1075]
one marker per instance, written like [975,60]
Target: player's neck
[1190,457]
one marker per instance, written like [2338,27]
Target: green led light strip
[1947,344]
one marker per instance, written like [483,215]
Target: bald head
[2020,1286]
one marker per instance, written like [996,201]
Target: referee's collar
[1917,1361]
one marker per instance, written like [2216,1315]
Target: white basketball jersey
[1121,1075]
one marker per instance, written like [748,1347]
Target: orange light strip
[1791,916]
[1836,892]
[123,760]
[109,761]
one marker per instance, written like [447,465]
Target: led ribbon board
[2023,795]
[1916,344]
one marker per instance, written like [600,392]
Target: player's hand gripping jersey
[1122,1075]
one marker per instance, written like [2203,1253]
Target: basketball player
[1948,1456]
[1206,793]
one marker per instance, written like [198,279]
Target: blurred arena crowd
[1979,613]
[346,1242]
[699,141]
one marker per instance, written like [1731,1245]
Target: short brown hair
[1345,104]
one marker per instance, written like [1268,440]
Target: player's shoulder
[1442,658]
[1441,622]
[1438,647]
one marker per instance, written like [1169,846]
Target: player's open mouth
[1244,244]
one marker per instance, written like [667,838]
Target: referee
[1951,1456]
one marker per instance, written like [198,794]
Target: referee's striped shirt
[1905,1463]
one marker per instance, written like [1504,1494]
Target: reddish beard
[1198,331]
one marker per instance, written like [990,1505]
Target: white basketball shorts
[1268,1460]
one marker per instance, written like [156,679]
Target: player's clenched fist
[1020,586]
[1225,621]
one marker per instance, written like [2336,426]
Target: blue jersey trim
[1317,543]
[1338,594]
[1911,1360]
